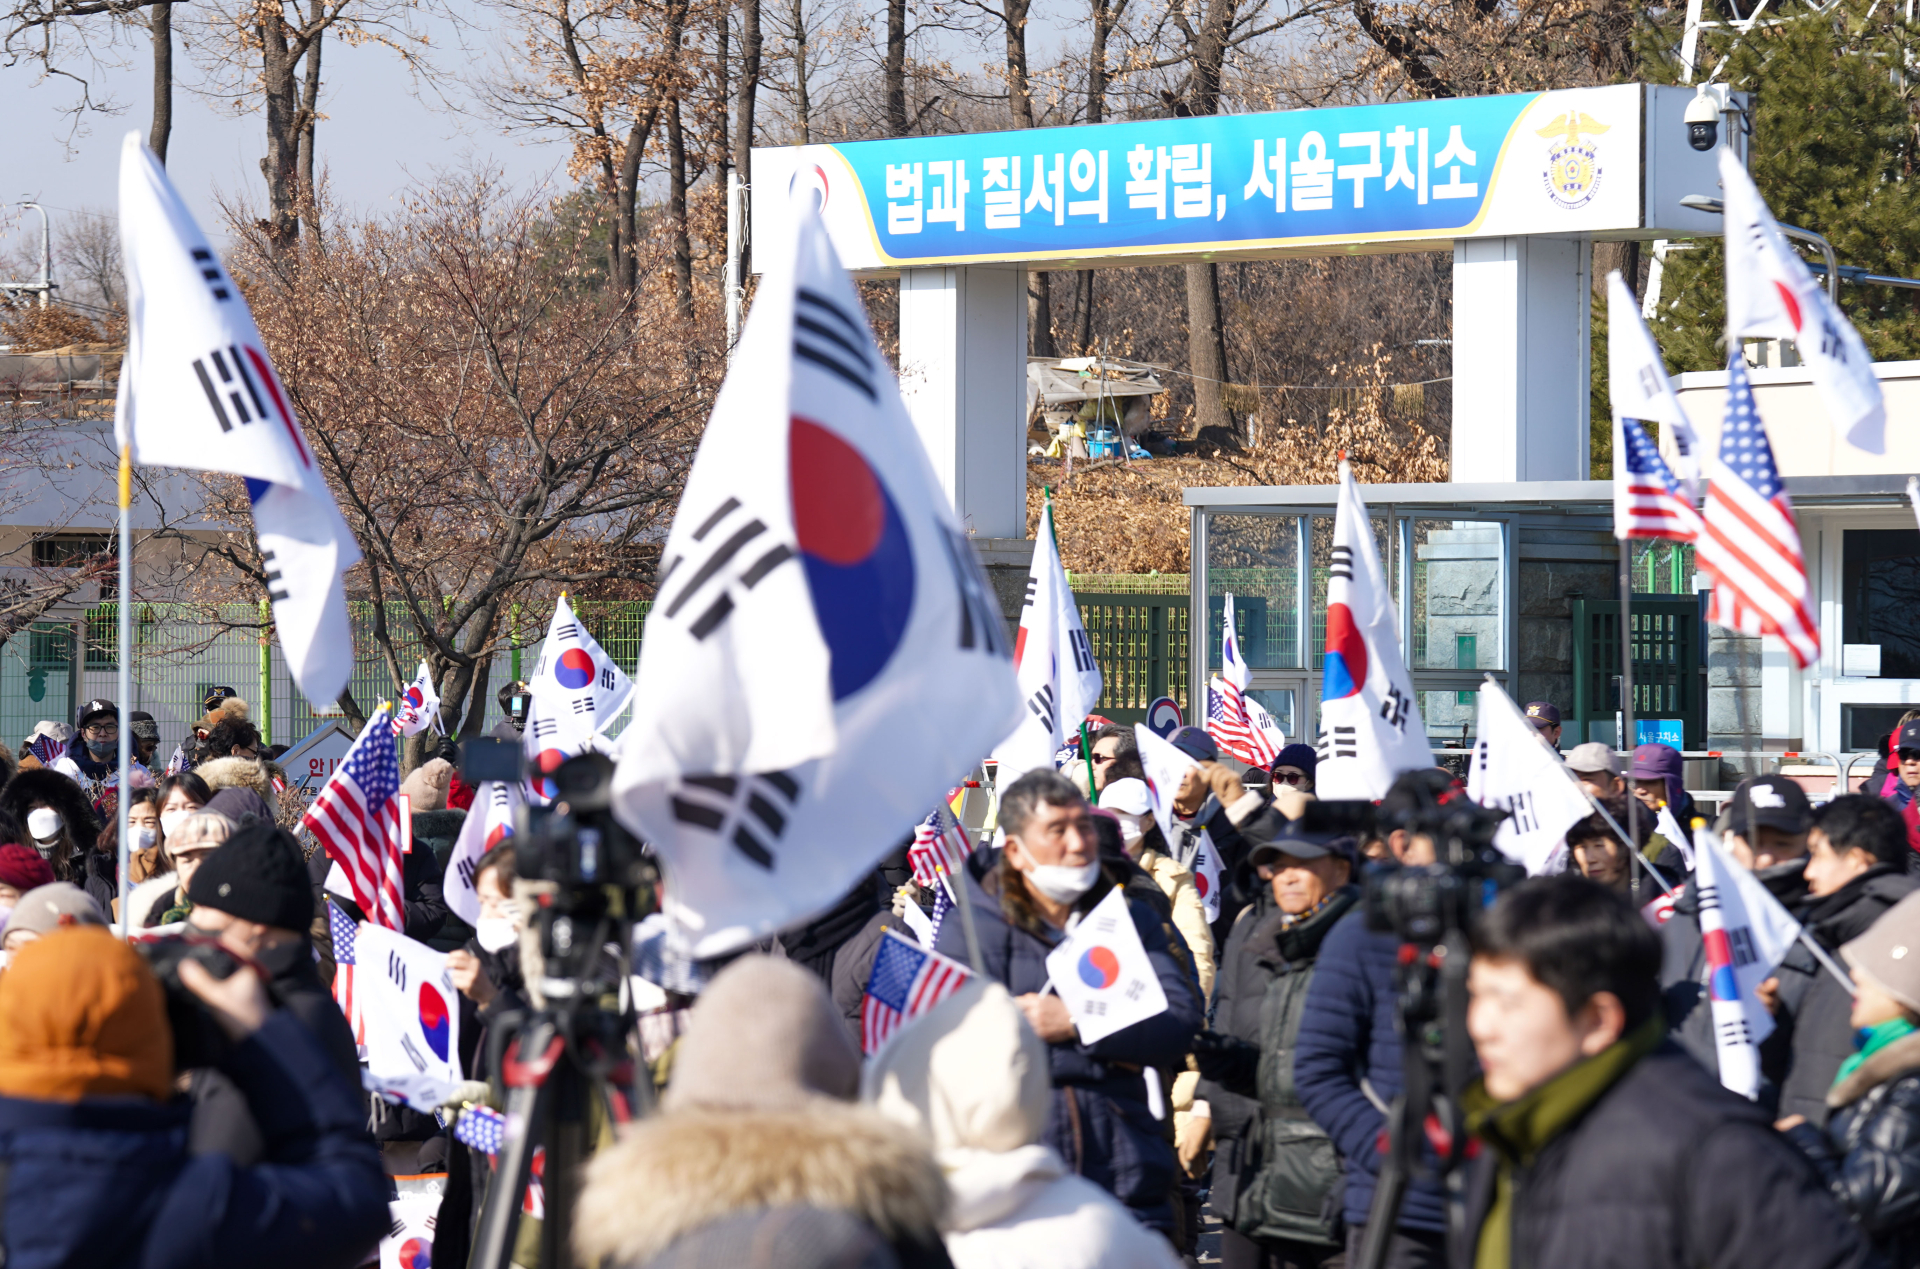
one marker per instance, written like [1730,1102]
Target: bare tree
[72,39]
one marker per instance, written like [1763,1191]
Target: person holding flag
[1370,725]
[418,708]
[1048,878]
[1240,725]
[1059,679]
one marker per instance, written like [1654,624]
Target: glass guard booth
[1521,581]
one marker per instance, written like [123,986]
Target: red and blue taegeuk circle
[1345,670]
[416,1253]
[546,762]
[433,1021]
[854,546]
[415,697]
[575,669]
[1099,968]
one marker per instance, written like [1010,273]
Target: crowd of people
[206,1108]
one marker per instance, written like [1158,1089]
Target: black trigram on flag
[981,624]
[235,387]
[1525,818]
[749,812]
[210,270]
[1042,705]
[728,534]
[1082,650]
[545,730]
[827,336]
[1735,1031]
[1342,565]
[275,591]
[1340,742]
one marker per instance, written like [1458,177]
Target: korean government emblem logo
[1573,158]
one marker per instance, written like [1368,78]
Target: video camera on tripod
[1431,907]
[586,880]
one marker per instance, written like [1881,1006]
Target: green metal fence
[1140,643]
[1669,660]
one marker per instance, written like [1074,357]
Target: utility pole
[45,285]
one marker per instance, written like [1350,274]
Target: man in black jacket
[1609,1145]
[1856,870]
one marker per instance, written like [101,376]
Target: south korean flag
[575,676]
[818,604]
[550,739]
[198,392]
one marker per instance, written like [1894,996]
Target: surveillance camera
[1703,119]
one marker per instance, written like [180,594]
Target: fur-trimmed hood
[254,774]
[680,1170]
[59,792]
[1902,1057]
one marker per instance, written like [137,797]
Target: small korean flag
[1102,972]
[576,678]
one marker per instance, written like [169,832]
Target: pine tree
[1834,150]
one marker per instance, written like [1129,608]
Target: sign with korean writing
[1556,162]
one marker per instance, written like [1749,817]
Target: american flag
[937,844]
[906,982]
[357,818]
[47,749]
[342,927]
[1647,501]
[481,1127]
[1750,545]
[1231,723]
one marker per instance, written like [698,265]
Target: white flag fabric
[1370,726]
[1668,826]
[1165,768]
[825,658]
[576,675]
[551,737]
[490,821]
[1205,867]
[408,1242]
[418,707]
[1771,293]
[411,1014]
[1059,680]
[198,392]
[1746,933]
[1637,382]
[1102,972]
[1515,770]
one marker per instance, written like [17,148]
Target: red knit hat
[22,868]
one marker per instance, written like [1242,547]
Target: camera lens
[1701,136]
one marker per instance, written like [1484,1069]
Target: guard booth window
[1880,580]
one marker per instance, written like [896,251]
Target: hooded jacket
[1099,1121]
[756,1118]
[1664,1169]
[1819,1007]
[1869,1153]
[1683,977]
[32,786]
[1015,1204]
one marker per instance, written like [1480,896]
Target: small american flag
[1233,727]
[357,818]
[1647,500]
[47,749]
[938,844]
[481,1127]
[906,982]
[1750,545]
[342,927]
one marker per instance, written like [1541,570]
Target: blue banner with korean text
[1566,161]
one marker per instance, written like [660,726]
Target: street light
[1715,207]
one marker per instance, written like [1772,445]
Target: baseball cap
[95,709]
[1770,801]
[1295,841]
[1196,744]
[1593,756]
[1129,795]
[1543,714]
[1909,737]
[211,701]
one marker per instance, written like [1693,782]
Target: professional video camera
[586,880]
[1432,908]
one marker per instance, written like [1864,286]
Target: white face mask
[170,821]
[495,933]
[143,838]
[1132,827]
[44,823]
[1064,884]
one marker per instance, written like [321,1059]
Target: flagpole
[121,808]
[1628,732]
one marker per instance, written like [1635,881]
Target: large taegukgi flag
[1053,660]
[198,392]
[824,658]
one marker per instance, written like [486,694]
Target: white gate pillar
[963,372]
[1520,358]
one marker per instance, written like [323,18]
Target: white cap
[1129,795]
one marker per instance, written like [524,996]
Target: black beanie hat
[257,876]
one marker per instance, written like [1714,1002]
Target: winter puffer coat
[1667,1170]
[1099,1122]
[110,1183]
[1869,1153]
[1275,1171]
[1347,1056]
[1817,1007]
